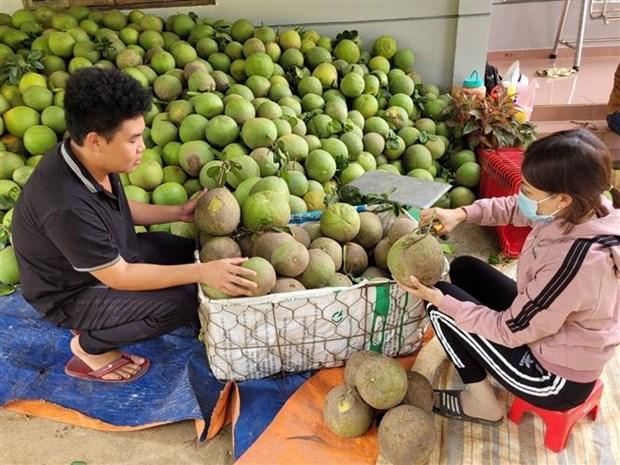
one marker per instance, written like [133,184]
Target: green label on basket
[379,317]
[338,316]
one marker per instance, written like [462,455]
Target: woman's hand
[419,290]
[227,275]
[449,218]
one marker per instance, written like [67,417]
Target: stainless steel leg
[585,7]
[558,34]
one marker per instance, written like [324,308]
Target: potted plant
[492,122]
[495,127]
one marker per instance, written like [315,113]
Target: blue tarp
[179,385]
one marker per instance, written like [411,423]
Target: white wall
[429,27]
[532,25]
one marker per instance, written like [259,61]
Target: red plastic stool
[558,424]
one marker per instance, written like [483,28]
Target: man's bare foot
[99,361]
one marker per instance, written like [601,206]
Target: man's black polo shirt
[66,225]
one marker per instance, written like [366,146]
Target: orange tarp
[297,435]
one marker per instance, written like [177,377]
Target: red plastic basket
[501,176]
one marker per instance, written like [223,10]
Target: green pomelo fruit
[409,134]
[37,97]
[259,132]
[217,212]
[18,119]
[193,128]
[296,182]
[331,247]
[419,392]
[345,413]
[217,248]
[169,193]
[404,59]
[354,259]
[264,157]
[137,194]
[265,210]
[381,382]
[39,139]
[417,156]
[179,110]
[461,197]
[271,183]
[340,222]
[194,155]
[22,174]
[421,174]
[290,259]
[208,104]
[222,130]
[353,364]
[436,146]
[351,173]
[426,125]
[374,143]
[385,46]
[407,435]
[9,162]
[416,255]
[266,243]
[320,270]
[147,175]
[399,228]
[245,168]
[371,230]
[468,174]
[340,280]
[287,285]
[167,87]
[459,158]
[9,272]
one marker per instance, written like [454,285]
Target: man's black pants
[473,356]
[109,318]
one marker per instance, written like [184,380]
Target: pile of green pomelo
[378,389]
[280,119]
[342,248]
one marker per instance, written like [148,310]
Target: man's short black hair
[100,100]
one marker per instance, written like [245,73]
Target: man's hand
[227,275]
[419,290]
[187,209]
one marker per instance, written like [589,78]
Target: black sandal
[448,404]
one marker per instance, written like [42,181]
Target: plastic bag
[523,90]
[525,98]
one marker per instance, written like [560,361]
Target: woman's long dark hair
[573,162]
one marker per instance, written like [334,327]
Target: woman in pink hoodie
[546,337]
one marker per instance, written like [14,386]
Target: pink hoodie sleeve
[496,211]
[525,321]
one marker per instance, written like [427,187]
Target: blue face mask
[529,208]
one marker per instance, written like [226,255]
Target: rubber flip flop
[448,404]
[78,369]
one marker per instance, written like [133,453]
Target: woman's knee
[462,264]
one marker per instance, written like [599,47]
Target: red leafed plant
[491,122]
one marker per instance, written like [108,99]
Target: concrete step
[581,112]
[598,127]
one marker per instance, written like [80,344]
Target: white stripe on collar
[75,168]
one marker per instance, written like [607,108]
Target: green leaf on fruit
[6,289]
[448,248]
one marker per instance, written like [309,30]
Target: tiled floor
[591,85]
